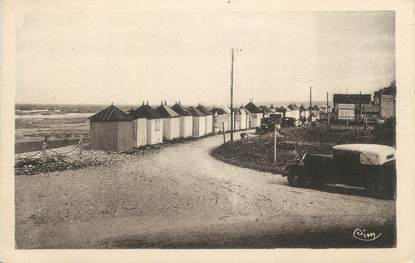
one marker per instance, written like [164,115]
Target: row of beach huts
[112,129]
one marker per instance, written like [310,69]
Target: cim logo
[363,235]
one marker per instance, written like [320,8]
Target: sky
[127,58]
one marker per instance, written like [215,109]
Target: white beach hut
[154,123]
[199,122]
[209,118]
[255,115]
[171,122]
[186,120]
[111,130]
[220,120]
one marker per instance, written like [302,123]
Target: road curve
[182,197]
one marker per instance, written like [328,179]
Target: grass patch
[258,153]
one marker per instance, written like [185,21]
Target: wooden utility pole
[327,108]
[81,144]
[311,117]
[223,131]
[44,146]
[232,59]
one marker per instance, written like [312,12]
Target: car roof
[372,148]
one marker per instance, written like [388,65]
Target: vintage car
[288,122]
[371,166]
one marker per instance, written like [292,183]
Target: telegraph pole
[232,59]
[310,103]
[327,109]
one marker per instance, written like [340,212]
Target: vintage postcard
[193,126]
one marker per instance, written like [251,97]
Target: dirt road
[184,198]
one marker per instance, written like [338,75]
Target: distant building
[243,118]
[154,123]
[315,112]
[255,115]
[209,118]
[171,122]
[385,100]
[371,112]
[111,130]
[350,106]
[220,119]
[282,110]
[265,111]
[292,111]
[304,113]
[199,122]
[186,120]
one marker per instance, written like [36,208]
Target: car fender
[290,166]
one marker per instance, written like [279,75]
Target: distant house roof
[292,107]
[145,111]
[351,98]
[166,112]
[110,113]
[253,108]
[181,110]
[265,109]
[218,111]
[315,107]
[226,109]
[302,108]
[281,109]
[195,112]
[203,109]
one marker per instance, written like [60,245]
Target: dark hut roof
[352,98]
[218,111]
[281,109]
[265,109]
[166,112]
[110,113]
[145,111]
[203,109]
[302,108]
[292,107]
[315,107]
[253,108]
[195,112]
[181,110]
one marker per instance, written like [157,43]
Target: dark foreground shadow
[332,238]
[331,188]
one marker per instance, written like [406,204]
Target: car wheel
[295,176]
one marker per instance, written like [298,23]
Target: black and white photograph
[206,130]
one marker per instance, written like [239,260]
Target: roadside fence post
[81,144]
[223,131]
[44,146]
[275,143]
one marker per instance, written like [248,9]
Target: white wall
[154,131]
[209,124]
[171,128]
[186,126]
[140,132]
[199,126]
[255,120]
